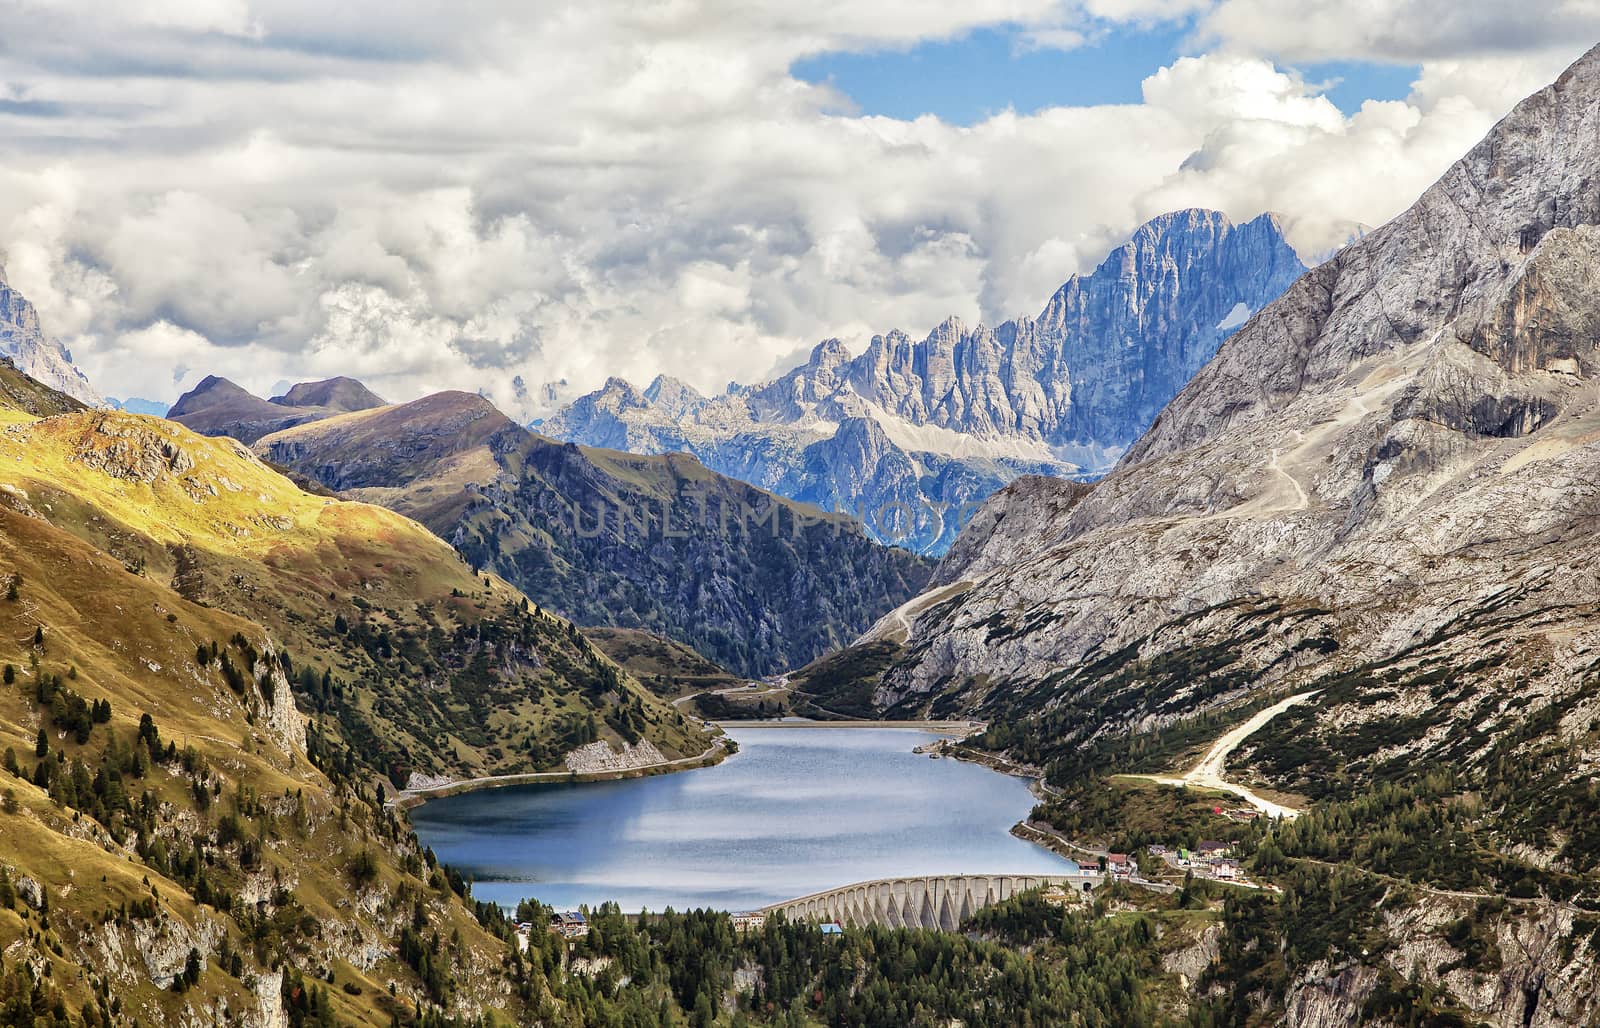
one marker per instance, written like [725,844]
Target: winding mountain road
[1208,774]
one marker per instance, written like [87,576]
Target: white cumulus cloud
[467,195]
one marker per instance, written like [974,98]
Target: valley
[654,543]
[1218,647]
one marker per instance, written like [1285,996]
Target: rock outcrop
[911,436]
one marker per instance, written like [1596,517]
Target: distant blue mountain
[135,405]
[913,436]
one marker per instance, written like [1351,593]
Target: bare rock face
[1008,527]
[1106,353]
[1369,444]
[281,719]
[1382,492]
[35,354]
[956,416]
[131,450]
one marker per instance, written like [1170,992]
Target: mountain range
[751,580]
[1379,497]
[212,681]
[1349,561]
[911,436]
[216,406]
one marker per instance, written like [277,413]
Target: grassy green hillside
[665,667]
[169,848]
[755,582]
[403,656]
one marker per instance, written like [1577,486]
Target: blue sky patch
[966,80]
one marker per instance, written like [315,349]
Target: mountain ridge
[750,579]
[966,410]
[218,405]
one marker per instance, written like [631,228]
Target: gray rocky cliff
[1358,441]
[1381,496]
[967,409]
[35,354]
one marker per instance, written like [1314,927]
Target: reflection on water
[795,811]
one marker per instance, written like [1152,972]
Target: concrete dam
[941,902]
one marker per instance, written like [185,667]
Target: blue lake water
[795,811]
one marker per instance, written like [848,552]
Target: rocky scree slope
[911,435]
[1384,487]
[753,581]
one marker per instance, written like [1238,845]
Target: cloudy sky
[529,192]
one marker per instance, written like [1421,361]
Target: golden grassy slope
[207,516]
[668,668]
[117,636]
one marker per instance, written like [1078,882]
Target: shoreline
[1035,777]
[1026,830]
[409,799]
[953,729]
[716,753]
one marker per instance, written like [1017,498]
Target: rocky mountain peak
[208,392]
[36,354]
[1063,394]
[218,406]
[830,353]
[620,391]
[673,396]
[947,333]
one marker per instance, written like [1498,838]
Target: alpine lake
[797,810]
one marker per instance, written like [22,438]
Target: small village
[1209,859]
